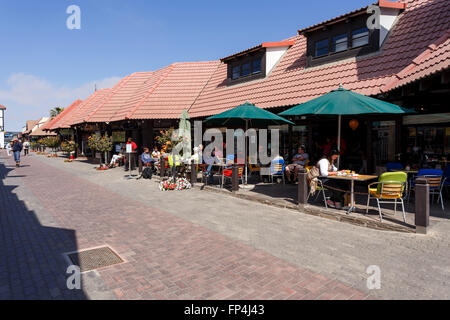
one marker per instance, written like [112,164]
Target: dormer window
[256,68]
[246,68]
[347,36]
[360,37]
[255,63]
[340,43]
[322,48]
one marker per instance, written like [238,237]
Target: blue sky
[43,64]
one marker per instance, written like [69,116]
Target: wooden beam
[445,77]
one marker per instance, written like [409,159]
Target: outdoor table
[360,178]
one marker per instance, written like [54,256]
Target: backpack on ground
[147,173]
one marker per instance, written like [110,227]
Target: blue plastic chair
[394,166]
[277,169]
[436,182]
[447,176]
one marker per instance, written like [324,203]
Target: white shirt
[323,166]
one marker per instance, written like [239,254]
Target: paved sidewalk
[167,257]
[413,266]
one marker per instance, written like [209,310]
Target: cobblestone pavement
[166,257]
[195,244]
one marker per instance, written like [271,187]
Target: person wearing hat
[299,161]
[17,149]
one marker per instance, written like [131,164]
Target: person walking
[8,148]
[17,149]
[26,148]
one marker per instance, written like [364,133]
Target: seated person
[325,168]
[115,160]
[156,154]
[298,162]
[147,159]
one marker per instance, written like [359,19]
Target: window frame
[334,42]
[336,31]
[240,62]
[367,31]
[327,46]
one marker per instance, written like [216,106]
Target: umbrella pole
[339,140]
[245,153]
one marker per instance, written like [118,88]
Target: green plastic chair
[390,188]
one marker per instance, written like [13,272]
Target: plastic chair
[391,166]
[228,174]
[436,182]
[447,176]
[390,186]
[277,169]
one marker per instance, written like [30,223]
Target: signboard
[129,148]
[118,136]
[427,118]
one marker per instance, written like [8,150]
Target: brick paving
[167,257]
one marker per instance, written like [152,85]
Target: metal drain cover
[92,259]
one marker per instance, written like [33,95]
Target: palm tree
[54,112]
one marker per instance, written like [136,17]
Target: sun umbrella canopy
[344,102]
[247,112]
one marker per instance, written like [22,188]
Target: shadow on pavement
[31,262]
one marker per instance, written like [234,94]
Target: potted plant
[53,143]
[69,147]
[102,145]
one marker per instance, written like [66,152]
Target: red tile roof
[154,95]
[177,91]
[37,130]
[58,121]
[115,101]
[422,23]
[2,107]
[84,108]
[258,47]
[417,47]
[30,125]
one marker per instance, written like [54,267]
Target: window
[360,37]
[245,69]
[340,43]
[256,66]
[236,72]
[322,48]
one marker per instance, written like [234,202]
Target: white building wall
[2,139]
[387,20]
[273,55]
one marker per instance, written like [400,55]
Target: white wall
[273,55]
[387,20]
[2,139]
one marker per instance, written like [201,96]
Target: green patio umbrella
[246,115]
[184,132]
[344,102]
